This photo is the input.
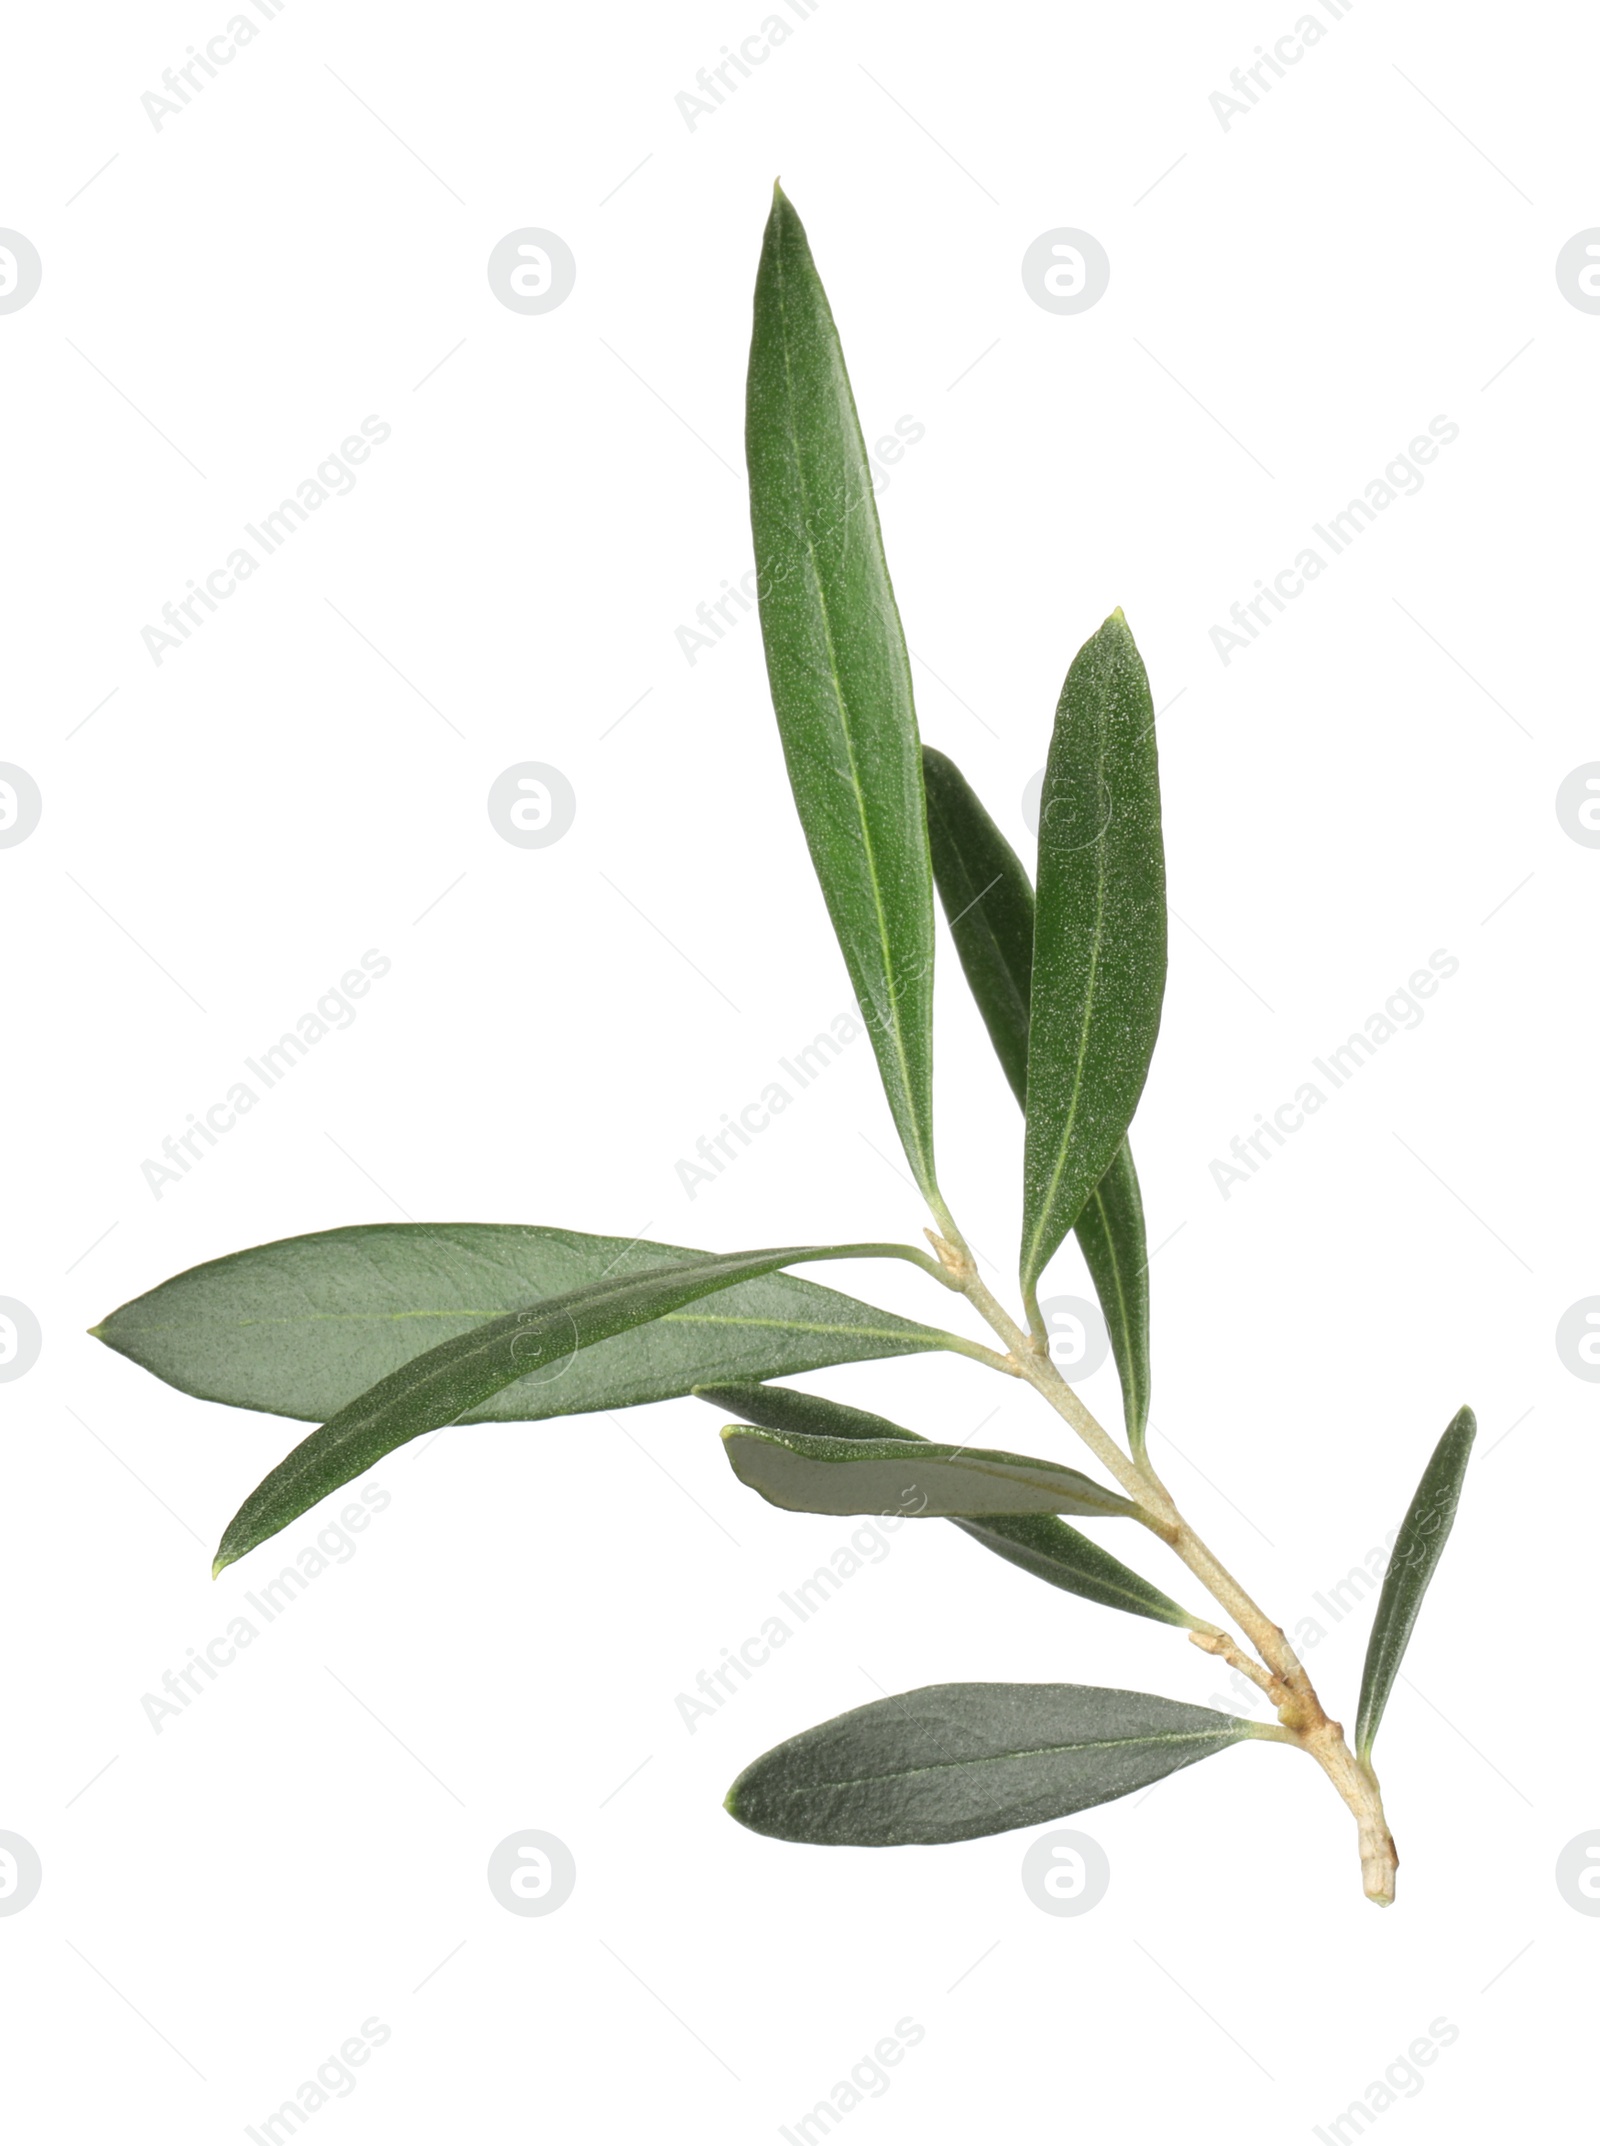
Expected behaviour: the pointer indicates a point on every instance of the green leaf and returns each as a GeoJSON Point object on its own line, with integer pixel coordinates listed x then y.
{"type": "Point", "coordinates": [445, 1383]}
{"type": "Point", "coordinates": [884, 1475]}
{"type": "Point", "coordinates": [302, 1326]}
{"type": "Point", "coordinates": [989, 905]}
{"type": "Point", "coordinates": [840, 679]}
{"type": "Point", "coordinates": [1044, 1546]}
{"type": "Point", "coordinates": [1100, 943]}
{"type": "Point", "coordinates": [956, 1761]}
{"type": "Point", "coordinates": [1110, 1231]}
{"type": "Point", "coordinates": [1417, 1550]}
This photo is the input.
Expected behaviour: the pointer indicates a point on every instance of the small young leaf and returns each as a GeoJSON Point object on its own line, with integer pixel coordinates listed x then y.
{"type": "Point", "coordinates": [956, 1761]}
{"type": "Point", "coordinates": [840, 679]}
{"type": "Point", "coordinates": [303, 1326]}
{"type": "Point", "coordinates": [989, 905]}
{"type": "Point", "coordinates": [1417, 1550]}
{"type": "Point", "coordinates": [1044, 1546]}
{"type": "Point", "coordinates": [886, 1475]}
{"type": "Point", "coordinates": [445, 1383]}
{"type": "Point", "coordinates": [1100, 941]}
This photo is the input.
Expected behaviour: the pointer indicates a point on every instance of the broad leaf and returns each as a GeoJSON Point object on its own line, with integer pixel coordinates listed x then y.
{"type": "Point", "coordinates": [956, 1761]}
{"type": "Point", "coordinates": [840, 679]}
{"type": "Point", "coordinates": [446, 1383]}
{"type": "Point", "coordinates": [885, 1475]}
{"type": "Point", "coordinates": [302, 1326]}
{"type": "Point", "coordinates": [1100, 942]}
{"type": "Point", "coordinates": [989, 904]}
{"type": "Point", "coordinates": [1417, 1550]}
{"type": "Point", "coordinates": [1044, 1546]}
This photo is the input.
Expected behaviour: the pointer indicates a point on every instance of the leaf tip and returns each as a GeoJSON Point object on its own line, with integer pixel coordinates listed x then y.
{"type": "Point", "coordinates": [220, 1563]}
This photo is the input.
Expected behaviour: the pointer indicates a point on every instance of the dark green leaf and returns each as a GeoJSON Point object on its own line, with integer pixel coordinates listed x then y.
{"type": "Point", "coordinates": [302, 1326]}
{"type": "Point", "coordinates": [956, 1761]}
{"type": "Point", "coordinates": [836, 661]}
{"type": "Point", "coordinates": [1417, 1550]}
{"type": "Point", "coordinates": [447, 1382]}
{"type": "Point", "coordinates": [1111, 1232]}
{"type": "Point", "coordinates": [886, 1475]}
{"type": "Point", "coordinates": [1044, 1546]}
{"type": "Point", "coordinates": [989, 905]}
{"type": "Point", "coordinates": [1100, 943]}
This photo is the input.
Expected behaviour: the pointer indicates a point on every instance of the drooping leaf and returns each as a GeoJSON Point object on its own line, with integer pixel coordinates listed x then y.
{"type": "Point", "coordinates": [840, 679]}
{"type": "Point", "coordinates": [1111, 1232]}
{"type": "Point", "coordinates": [956, 1761]}
{"type": "Point", "coordinates": [885, 1475]}
{"type": "Point", "coordinates": [302, 1326]}
{"type": "Point", "coordinates": [445, 1383]}
{"type": "Point", "coordinates": [989, 905]}
{"type": "Point", "coordinates": [1100, 940]}
{"type": "Point", "coordinates": [1044, 1546]}
{"type": "Point", "coordinates": [1417, 1550]}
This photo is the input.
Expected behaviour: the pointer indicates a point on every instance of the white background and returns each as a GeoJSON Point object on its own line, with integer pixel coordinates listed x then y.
{"type": "Point", "coordinates": [1292, 299]}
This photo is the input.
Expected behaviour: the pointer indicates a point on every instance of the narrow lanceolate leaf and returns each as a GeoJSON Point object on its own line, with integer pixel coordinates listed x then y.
{"type": "Point", "coordinates": [1100, 939]}
{"type": "Point", "coordinates": [990, 908]}
{"type": "Point", "coordinates": [927, 1481]}
{"type": "Point", "coordinates": [836, 662]}
{"type": "Point", "coordinates": [988, 904]}
{"type": "Point", "coordinates": [1111, 1232]}
{"type": "Point", "coordinates": [956, 1761]}
{"type": "Point", "coordinates": [1044, 1546]}
{"type": "Point", "coordinates": [446, 1383]}
{"type": "Point", "coordinates": [302, 1326]}
{"type": "Point", "coordinates": [1417, 1550]}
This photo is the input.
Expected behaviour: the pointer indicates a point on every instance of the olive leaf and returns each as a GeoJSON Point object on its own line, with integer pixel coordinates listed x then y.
{"type": "Point", "coordinates": [1043, 1545]}
{"type": "Point", "coordinates": [837, 666]}
{"type": "Point", "coordinates": [1417, 1550]}
{"type": "Point", "coordinates": [956, 1761]}
{"type": "Point", "coordinates": [302, 1326]}
{"type": "Point", "coordinates": [1100, 938]}
{"type": "Point", "coordinates": [884, 1475]}
{"type": "Point", "coordinates": [444, 1383]}
{"type": "Point", "coordinates": [988, 903]}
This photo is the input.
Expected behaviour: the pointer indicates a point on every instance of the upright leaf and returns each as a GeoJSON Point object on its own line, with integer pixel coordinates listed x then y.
{"type": "Point", "coordinates": [1100, 942]}
{"type": "Point", "coordinates": [989, 905]}
{"type": "Point", "coordinates": [840, 679]}
{"type": "Point", "coordinates": [956, 1761]}
{"type": "Point", "coordinates": [1044, 1546]}
{"type": "Point", "coordinates": [885, 1475]}
{"type": "Point", "coordinates": [1417, 1550]}
{"type": "Point", "coordinates": [302, 1326]}
{"type": "Point", "coordinates": [442, 1385]}
{"type": "Point", "coordinates": [1110, 1231]}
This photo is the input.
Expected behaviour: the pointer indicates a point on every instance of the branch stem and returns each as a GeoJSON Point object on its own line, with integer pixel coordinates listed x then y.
{"type": "Point", "coordinates": [1279, 1672]}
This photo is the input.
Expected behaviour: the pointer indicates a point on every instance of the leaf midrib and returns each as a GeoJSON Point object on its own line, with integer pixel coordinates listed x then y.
{"type": "Point", "coordinates": [1001, 1758]}
{"type": "Point", "coordinates": [924, 1144]}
